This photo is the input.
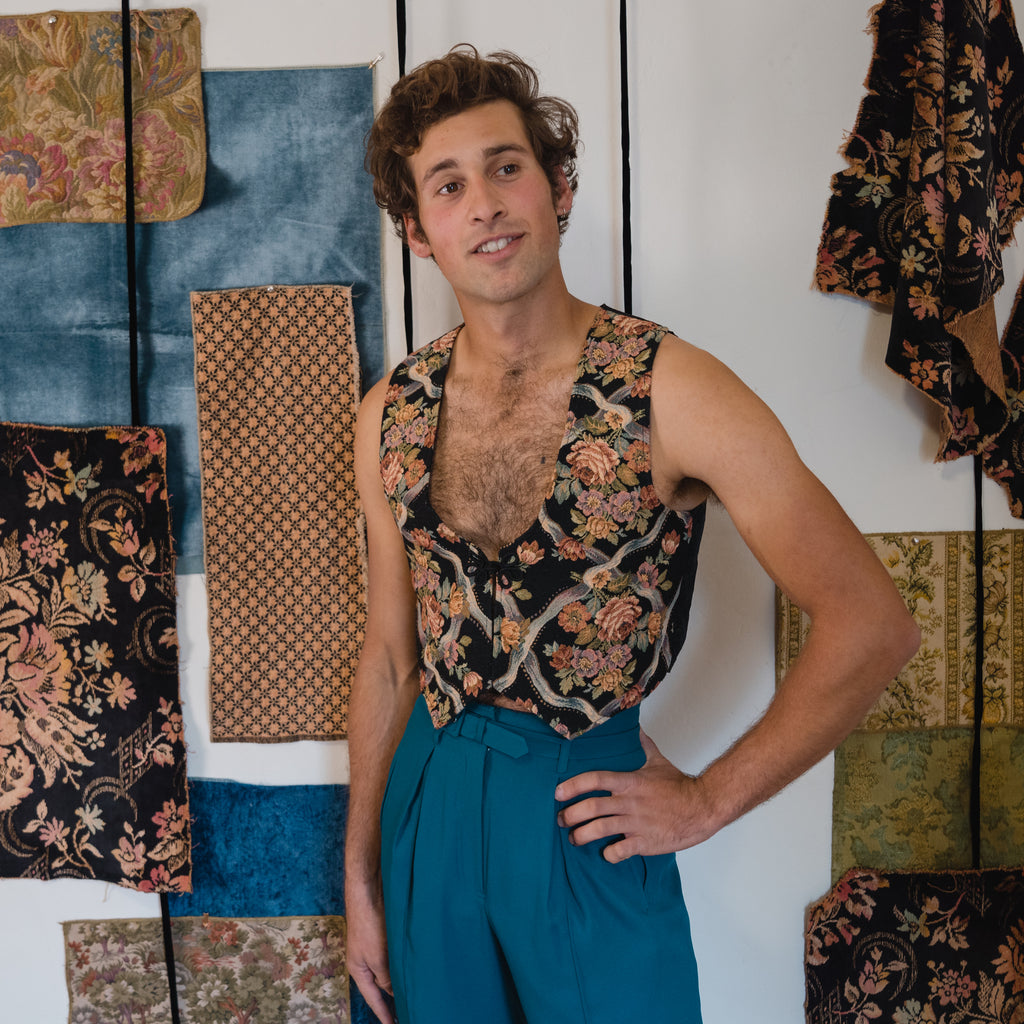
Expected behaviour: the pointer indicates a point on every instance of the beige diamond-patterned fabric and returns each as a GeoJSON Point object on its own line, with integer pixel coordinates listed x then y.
{"type": "Point", "coordinates": [277, 387]}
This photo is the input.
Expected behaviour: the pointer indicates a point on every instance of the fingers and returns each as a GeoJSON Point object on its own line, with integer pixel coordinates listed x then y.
{"type": "Point", "coordinates": [598, 828]}
{"type": "Point", "coordinates": [373, 990]}
{"type": "Point", "coordinates": [588, 782]}
{"type": "Point", "coordinates": [625, 848]}
{"type": "Point", "coordinates": [598, 807]}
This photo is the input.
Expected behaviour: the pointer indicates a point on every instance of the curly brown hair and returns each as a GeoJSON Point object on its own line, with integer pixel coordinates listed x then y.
{"type": "Point", "coordinates": [449, 85]}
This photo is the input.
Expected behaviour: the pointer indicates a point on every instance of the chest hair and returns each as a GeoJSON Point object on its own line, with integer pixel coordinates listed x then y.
{"type": "Point", "coordinates": [494, 461]}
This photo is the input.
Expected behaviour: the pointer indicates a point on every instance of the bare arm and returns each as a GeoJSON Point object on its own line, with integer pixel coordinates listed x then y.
{"type": "Point", "coordinates": [708, 426]}
{"type": "Point", "coordinates": [383, 692]}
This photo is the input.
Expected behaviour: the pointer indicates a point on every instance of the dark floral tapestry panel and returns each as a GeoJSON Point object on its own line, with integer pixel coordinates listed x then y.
{"type": "Point", "coordinates": [917, 948]}
{"type": "Point", "coordinates": [92, 757]}
{"type": "Point", "coordinates": [1004, 452]}
{"type": "Point", "coordinates": [933, 189]}
{"type": "Point", "coordinates": [289, 970]}
{"type": "Point", "coordinates": [62, 138]}
{"type": "Point", "coordinates": [277, 384]}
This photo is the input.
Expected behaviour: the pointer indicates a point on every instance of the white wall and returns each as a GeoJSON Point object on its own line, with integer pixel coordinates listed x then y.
{"type": "Point", "coordinates": [737, 113]}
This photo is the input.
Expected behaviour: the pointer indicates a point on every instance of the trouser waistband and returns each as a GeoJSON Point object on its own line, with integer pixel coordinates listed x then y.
{"type": "Point", "coordinates": [518, 733]}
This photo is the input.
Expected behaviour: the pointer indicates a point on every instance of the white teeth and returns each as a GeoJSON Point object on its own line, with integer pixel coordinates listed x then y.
{"type": "Point", "coordinates": [496, 246]}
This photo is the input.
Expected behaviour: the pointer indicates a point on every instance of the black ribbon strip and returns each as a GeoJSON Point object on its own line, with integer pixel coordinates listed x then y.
{"type": "Point", "coordinates": [406, 256]}
{"type": "Point", "coordinates": [172, 978]}
{"type": "Point", "coordinates": [133, 367]}
{"type": "Point", "coordinates": [129, 210]}
{"type": "Point", "coordinates": [627, 229]}
{"type": "Point", "coordinates": [979, 665]}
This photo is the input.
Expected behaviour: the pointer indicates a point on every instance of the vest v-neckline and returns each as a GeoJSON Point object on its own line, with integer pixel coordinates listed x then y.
{"type": "Point", "coordinates": [428, 451]}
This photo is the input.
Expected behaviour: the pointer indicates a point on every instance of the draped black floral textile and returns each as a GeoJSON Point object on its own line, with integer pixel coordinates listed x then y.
{"type": "Point", "coordinates": [917, 948]}
{"type": "Point", "coordinates": [934, 187]}
{"type": "Point", "coordinates": [92, 756]}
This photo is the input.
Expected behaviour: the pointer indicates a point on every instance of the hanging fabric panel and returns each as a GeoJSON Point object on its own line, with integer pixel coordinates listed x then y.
{"type": "Point", "coordinates": [932, 192]}
{"type": "Point", "coordinates": [902, 779]}
{"type": "Point", "coordinates": [286, 201]}
{"type": "Point", "coordinates": [934, 573]}
{"type": "Point", "coordinates": [92, 758]}
{"type": "Point", "coordinates": [62, 137]}
{"type": "Point", "coordinates": [229, 969]}
{"type": "Point", "coordinates": [917, 948]}
{"type": "Point", "coordinates": [277, 384]}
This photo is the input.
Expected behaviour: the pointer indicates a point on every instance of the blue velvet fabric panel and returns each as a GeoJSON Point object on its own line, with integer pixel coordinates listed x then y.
{"type": "Point", "coordinates": [267, 851]}
{"type": "Point", "coordinates": [287, 202]}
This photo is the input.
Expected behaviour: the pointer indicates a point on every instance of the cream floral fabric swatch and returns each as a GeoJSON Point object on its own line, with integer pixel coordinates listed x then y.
{"type": "Point", "coordinates": [934, 572]}
{"type": "Point", "coordinates": [281, 969]}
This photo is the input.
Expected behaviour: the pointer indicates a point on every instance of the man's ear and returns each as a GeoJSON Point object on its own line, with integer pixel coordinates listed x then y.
{"type": "Point", "coordinates": [562, 192]}
{"type": "Point", "coordinates": [418, 243]}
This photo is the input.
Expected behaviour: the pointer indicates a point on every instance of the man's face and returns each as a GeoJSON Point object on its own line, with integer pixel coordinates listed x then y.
{"type": "Point", "coordinates": [486, 209]}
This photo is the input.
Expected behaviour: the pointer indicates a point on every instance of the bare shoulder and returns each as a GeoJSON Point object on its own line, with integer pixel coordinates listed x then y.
{"type": "Point", "coordinates": [367, 453]}
{"type": "Point", "coordinates": [371, 409]}
{"type": "Point", "coordinates": [707, 425]}
{"type": "Point", "coordinates": [390, 626]}
{"type": "Point", "coordinates": [696, 385]}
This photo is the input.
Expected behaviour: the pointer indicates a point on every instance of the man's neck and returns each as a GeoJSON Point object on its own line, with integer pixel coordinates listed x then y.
{"type": "Point", "coordinates": [535, 332]}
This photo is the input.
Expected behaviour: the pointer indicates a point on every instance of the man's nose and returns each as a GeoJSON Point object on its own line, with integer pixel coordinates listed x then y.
{"type": "Point", "coordinates": [486, 203]}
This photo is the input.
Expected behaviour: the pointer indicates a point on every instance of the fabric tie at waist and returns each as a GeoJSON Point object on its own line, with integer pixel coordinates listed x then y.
{"type": "Point", "coordinates": [517, 733]}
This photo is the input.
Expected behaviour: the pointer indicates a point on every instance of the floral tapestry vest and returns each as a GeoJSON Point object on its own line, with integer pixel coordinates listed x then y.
{"type": "Point", "coordinates": [583, 614]}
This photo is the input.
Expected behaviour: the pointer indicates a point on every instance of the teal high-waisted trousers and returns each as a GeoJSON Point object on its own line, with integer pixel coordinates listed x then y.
{"type": "Point", "coordinates": [492, 915]}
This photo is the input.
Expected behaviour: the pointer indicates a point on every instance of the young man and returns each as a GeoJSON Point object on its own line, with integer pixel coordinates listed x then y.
{"type": "Point", "coordinates": [520, 866]}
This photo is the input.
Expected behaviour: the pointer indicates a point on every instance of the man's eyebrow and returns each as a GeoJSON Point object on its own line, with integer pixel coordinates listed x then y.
{"type": "Point", "coordinates": [438, 168]}
{"type": "Point", "coordinates": [505, 147]}
{"type": "Point", "coordinates": [491, 151]}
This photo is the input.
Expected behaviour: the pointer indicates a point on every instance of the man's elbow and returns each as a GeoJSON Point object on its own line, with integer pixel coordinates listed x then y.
{"type": "Point", "coordinates": [900, 638]}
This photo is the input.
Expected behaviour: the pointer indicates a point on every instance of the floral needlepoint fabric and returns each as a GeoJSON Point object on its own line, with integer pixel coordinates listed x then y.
{"type": "Point", "coordinates": [934, 573]}
{"type": "Point", "coordinates": [283, 970]}
{"type": "Point", "coordinates": [901, 785]}
{"type": "Point", "coordinates": [92, 758]}
{"type": "Point", "coordinates": [917, 948]}
{"type": "Point", "coordinates": [277, 384]}
{"type": "Point", "coordinates": [933, 188]}
{"type": "Point", "coordinates": [901, 800]}
{"type": "Point", "coordinates": [62, 137]}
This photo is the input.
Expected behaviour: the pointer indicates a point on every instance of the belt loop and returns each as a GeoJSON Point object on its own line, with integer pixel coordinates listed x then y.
{"type": "Point", "coordinates": [453, 728]}
{"type": "Point", "coordinates": [564, 753]}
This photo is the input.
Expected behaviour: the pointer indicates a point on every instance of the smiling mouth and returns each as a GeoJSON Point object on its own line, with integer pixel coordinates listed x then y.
{"type": "Point", "coordinates": [495, 244]}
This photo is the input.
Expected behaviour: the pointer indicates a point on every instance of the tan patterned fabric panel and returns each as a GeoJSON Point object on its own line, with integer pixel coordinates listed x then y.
{"type": "Point", "coordinates": [277, 386]}
{"type": "Point", "coordinates": [934, 572]}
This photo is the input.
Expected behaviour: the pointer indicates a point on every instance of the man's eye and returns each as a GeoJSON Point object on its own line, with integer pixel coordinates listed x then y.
{"type": "Point", "coordinates": [508, 168]}
{"type": "Point", "coordinates": [449, 188]}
